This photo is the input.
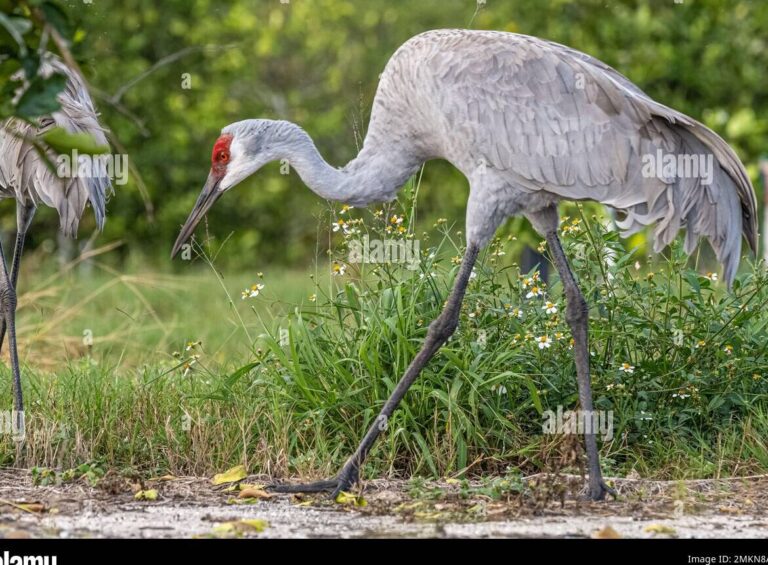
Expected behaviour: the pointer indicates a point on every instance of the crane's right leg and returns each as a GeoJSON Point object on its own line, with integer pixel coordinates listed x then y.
{"type": "Point", "coordinates": [577, 314]}
{"type": "Point", "coordinates": [24, 214]}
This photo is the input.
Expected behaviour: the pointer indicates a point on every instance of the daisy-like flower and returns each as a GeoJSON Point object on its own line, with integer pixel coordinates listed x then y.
{"type": "Point", "coordinates": [252, 292]}
{"type": "Point", "coordinates": [550, 308]}
{"type": "Point", "coordinates": [501, 390]}
{"type": "Point", "coordinates": [516, 313]}
{"type": "Point", "coordinates": [338, 269]}
{"type": "Point", "coordinates": [339, 225]}
{"type": "Point", "coordinates": [559, 335]}
{"type": "Point", "coordinates": [535, 291]}
{"type": "Point", "coordinates": [423, 275]}
{"type": "Point", "coordinates": [728, 349]}
{"type": "Point", "coordinates": [346, 208]}
{"type": "Point", "coordinates": [544, 342]}
{"type": "Point", "coordinates": [627, 368]}
{"type": "Point", "coordinates": [711, 276]}
{"type": "Point", "coordinates": [472, 275]}
{"type": "Point", "coordinates": [313, 297]}
{"type": "Point", "coordinates": [189, 363]}
{"type": "Point", "coordinates": [396, 220]}
{"type": "Point", "coordinates": [700, 343]}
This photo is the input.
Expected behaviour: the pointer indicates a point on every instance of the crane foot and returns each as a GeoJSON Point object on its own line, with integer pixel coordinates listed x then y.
{"type": "Point", "coordinates": [344, 481]}
{"type": "Point", "coordinates": [597, 492]}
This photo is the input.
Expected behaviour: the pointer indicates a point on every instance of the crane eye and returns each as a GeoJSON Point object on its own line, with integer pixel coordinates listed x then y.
{"type": "Point", "coordinates": [223, 157]}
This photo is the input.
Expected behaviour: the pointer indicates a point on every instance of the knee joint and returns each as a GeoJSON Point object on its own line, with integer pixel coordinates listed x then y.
{"type": "Point", "coordinates": [577, 310]}
{"type": "Point", "coordinates": [443, 328]}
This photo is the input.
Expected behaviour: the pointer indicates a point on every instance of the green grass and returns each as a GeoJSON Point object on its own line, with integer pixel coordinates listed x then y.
{"type": "Point", "coordinates": [693, 406]}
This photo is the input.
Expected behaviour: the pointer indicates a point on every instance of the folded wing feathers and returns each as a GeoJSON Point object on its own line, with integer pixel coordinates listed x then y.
{"type": "Point", "coordinates": [31, 178]}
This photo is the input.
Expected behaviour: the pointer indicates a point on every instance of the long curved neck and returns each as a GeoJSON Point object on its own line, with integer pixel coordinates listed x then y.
{"type": "Point", "coordinates": [375, 175]}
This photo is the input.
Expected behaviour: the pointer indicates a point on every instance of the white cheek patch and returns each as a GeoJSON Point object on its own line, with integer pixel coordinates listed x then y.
{"type": "Point", "coordinates": [237, 169]}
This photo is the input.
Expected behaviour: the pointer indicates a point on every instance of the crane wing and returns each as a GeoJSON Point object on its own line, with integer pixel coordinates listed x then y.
{"type": "Point", "coordinates": [559, 120]}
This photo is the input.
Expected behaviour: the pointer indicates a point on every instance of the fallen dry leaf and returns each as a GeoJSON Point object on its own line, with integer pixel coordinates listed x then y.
{"type": "Point", "coordinates": [351, 499]}
{"type": "Point", "coordinates": [31, 506]}
{"type": "Point", "coordinates": [164, 478]}
{"type": "Point", "coordinates": [149, 494]}
{"type": "Point", "coordinates": [606, 533]}
{"type": "Point", "coordinates": [240, 527]}
{"type": "Point", "coordinates": [729, 510]}
{"type": "Point", "coordinates": [230, 476]}
{"type": "Point", "coordinates": [254, 493]}
{"type": "Point", "coordinates": [660, 529]}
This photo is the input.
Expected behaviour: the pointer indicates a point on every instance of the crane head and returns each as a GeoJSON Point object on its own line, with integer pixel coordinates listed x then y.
{"type": "Point", "coordinates": [241, 149]}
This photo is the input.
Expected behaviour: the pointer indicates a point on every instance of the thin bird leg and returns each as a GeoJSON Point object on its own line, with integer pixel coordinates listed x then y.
{"type": "Point", "coordinates": [24, 215]}
{"type": "Point", "coordinates": [439, 332]}
{"type": "Point", "coordinates": [8, 304]}
{"type": "Point", "coordinates": [577, 316]}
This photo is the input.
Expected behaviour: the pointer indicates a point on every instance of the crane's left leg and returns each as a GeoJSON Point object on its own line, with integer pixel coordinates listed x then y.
{"type": "Point", "coordinates": [577, 315]}
{"type": "Point", "coordinates": [8, 306]}
{"type": "Point", "coordinates": [439, 332]}
{"type": "Point", "coordinates": [24, 214]}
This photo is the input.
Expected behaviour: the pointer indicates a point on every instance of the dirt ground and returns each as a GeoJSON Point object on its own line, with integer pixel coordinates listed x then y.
{"type": "Point", "coordinates": [547, 507]}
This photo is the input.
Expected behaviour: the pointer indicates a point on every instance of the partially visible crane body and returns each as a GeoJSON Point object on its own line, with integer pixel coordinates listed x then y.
{"type": "Point", "coordinates": [27, 178]}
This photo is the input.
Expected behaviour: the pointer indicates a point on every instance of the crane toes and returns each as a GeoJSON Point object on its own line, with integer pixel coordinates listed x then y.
{"type": "Point", "coordinates": [344, 481]}
{"type": "Point", "coordinates": [305, 488]}
{"type": "Point", "coordinates": [598, 491]}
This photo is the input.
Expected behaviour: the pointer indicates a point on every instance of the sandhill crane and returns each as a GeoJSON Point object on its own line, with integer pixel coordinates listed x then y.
{"type": "Point", "coordinates": [25, 176]}
{"type": "Point", "coordinates": [529, 123]}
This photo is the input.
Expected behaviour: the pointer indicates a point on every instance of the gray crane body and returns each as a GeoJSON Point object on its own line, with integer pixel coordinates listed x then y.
{"type": "Point", "coordinates": [529, 123]}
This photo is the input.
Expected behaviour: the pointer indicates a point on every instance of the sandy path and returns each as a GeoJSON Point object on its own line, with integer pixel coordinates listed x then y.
{"type": "Point", "coordinates": [190, 507]}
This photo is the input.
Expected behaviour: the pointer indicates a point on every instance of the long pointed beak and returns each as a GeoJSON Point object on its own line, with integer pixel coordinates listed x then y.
{"type": "Point", "coordinates": [205, 201]}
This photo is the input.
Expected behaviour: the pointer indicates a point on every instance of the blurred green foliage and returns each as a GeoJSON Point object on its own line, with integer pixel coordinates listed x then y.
{"type": "Point", "coordinates": [317, 63]}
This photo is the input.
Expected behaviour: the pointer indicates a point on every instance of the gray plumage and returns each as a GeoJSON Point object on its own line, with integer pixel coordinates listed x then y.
{"type": "Point", "coordinates": [528, 120]}
{"type": "Point", "coordinates": [529, 123]}
{"type": "Point", "coordinates": [25, 177]}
